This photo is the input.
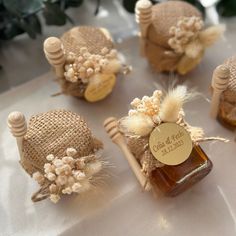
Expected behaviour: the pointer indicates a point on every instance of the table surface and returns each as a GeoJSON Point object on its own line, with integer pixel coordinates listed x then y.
{"type": "Point", "coordinates": [208, 208]}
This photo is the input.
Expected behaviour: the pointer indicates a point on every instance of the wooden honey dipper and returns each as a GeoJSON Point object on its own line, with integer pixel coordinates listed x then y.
{"type": "Point", "coordinates": [219, 83]}
{"type": "Point", "coordinates": [110, 125]}
{"type": "Point", "coordinates": [143, 15]}
{"type": "Point", "coordinates": [53, 50]}
{"type": "Point", "coordinates": [18, 127]}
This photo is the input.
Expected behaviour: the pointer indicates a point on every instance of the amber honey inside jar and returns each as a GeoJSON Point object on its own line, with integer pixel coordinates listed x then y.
{"type": "Point", "coordinates": [173, 180]}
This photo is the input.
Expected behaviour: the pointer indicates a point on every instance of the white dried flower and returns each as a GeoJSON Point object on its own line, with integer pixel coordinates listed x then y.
{"type": "Point", "coordinates": [50, 157]}
{"type": "Point", "coordinates": [68, 160]}
{"type": "Point", "coordinates": [50, 176]}
{"type": "Point", "coordinates": [79, 175]}
{"type": "Point", "coordinates": [48, 168]}
{"type": "Point", "coordinates": [53, 188]}
{"type": "Point", "coordinates": [61, 180]}
{"type": "Point", "coordinates": [67, 190]}
{"type": "Point", "coordinates": [82, 69]}
{"type": "Point", "coordinates": [58, 162]}
{"type": "Point", "coordinates": [103, 62]}
{"type": "Point", "coordinates": [70, 57]}
{"type": "Point", "coordinates": [80, 59]}
{"type": "Point", "coordinates": [54, 198]}
{"type": "Point", "coordinates": [87, 64]}
{"type": "Point", "coordinates": [97, 70]}
{"type": "Point", "coordinates": [148, 105]}
{"type": "Point", "coordinates": [90, 71]}
{"type": "Point", "coordinates": [113, 53]}
{"type": "Point", "coordinates": [71, 152]}
{"type": "Point", "coordinates": [187, 30]}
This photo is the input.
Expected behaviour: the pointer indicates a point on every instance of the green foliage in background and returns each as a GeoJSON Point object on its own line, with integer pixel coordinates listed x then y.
{"type": "Point", "coordinates": [20, 16]}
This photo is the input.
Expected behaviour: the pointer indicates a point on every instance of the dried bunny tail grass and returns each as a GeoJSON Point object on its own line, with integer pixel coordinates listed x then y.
{"type": "Point", "coordinates": [99, 179]}
{"type": "Point", "coordinates": [139, 124]}
{"type": "Point", "coordinates": [210, 35]}
{"type": "Point", "coordinates": [173, 102]}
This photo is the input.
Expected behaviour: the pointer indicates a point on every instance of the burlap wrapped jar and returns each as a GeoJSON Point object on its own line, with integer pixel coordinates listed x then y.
{"type": "Point", "coordinates": [162, 27]}
{"type": "Point", "coordinates": [227, 107]}
{"type": "Point", "coordinates": [52, 133]}
{"type": "Point", "coordinates": [89, 62]}
{"type": "Point", "coordinates": [151, 131]}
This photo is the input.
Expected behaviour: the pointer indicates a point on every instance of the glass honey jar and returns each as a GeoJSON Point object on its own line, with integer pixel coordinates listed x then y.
{"type": "Point", "coordinates": [165, 147]}
{"type": "Point", "coordinates": [173, 180]}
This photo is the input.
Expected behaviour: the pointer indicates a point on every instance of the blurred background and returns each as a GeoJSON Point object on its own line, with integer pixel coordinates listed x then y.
{"type": "Point", "coordinates": [24, 24]}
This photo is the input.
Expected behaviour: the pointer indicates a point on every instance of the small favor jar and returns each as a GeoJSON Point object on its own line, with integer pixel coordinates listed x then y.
{"type": "Point", "coordinates": [58, 151]}
{"type": "Point", "coordinates": [224, 93]}
{"type": "Point", "coordinates": [172, 35]}
{"type": "Point", "coordinates": [85, 62]}
{"type": "Point", "coordinates": [165, 147]}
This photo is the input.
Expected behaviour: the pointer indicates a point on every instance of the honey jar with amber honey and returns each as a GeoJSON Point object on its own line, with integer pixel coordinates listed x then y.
{"type": "Point", "coordinates": [173, 36]}
{"type": "Point", "coordinates": [165, 147]}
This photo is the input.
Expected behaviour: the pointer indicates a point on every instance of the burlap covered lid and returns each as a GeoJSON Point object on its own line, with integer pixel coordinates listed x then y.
{"type": "Point", "coordinates": [230, 93]}
{"type": "Point", "coordinates": [51, 133]}
{"type": "Point", "coordinates": [165, 15]}
{"type": "Point", "coordinates": [94, 39]}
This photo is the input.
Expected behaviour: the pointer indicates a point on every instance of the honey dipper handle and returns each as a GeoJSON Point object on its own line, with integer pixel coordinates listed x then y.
{"type": "Point", "coordinates": [134, 165]}
{"type": "Point", "coordinates": [110, 125]}
{"type": "Point", "coordinates": [220, 81]}
{"type": "Point", "coordinates": [18, 127]}
{"type": "Point", "coordinates": [143, 15]}
{"type": "Point", "coordinates": [54, 53]}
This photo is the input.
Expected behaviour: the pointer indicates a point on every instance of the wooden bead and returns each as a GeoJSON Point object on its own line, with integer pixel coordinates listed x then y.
{"type": "Point", "coordinates": [53, 50]}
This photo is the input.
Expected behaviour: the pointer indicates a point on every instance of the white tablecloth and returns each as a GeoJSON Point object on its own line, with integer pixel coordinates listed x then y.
{"type": "Point", "coordinates": [122, 208]}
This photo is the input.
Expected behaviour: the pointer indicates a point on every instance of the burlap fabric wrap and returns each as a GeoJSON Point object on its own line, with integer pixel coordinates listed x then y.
{"type": "Point", "coordinates": [228, 97]}
{"type": "Point", "coordinates": [51, 133]}
{"type": "Point", "coordinates": [139, 146]}
{"type": "Point", "coordinates": [165, 15]}
{"type": "Point", "coordinates": [94, 39]}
